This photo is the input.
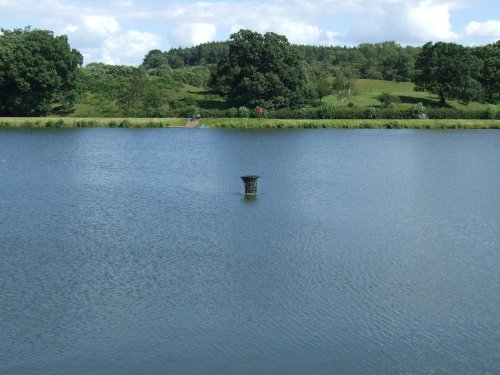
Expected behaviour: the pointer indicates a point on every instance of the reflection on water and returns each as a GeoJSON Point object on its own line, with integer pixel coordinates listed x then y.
{"type": "Point", "coordinates": [134, 251]}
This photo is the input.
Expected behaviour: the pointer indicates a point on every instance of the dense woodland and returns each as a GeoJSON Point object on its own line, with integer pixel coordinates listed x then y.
{"type": "Point", "coordinates": [41, 74]}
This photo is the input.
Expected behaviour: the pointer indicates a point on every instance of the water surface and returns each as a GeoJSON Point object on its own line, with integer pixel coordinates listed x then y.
{"type": "Point", "coordinates": [132, 251]}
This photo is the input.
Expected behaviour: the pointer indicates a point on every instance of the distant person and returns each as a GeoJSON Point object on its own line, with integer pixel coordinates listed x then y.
{"type": "Point", "coordinates": [198, 116]}
{"type": "Point", "coordinates": [260, 112]}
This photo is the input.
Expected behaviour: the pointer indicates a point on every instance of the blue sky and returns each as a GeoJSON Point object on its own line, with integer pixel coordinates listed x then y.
{"type": "Point", "coordinates": [123, 31]}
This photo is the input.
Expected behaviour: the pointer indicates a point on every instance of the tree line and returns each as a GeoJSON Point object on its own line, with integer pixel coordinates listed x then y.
{"type": "Point", "coordinates": [40, 73]}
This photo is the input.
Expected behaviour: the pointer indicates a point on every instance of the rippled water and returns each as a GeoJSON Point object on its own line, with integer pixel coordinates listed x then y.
{"type": "Point", "coordinates": [132, 251]}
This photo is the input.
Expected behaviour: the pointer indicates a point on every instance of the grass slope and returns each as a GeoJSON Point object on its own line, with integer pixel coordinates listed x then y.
{"type": "Point", "coordinates": [369, 89]}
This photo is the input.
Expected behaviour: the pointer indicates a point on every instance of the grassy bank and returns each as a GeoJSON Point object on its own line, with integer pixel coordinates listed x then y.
{"type": "Point", "coordinates": [352, 124]}
{"type": "Point", "coordinates": [75, 122]}
{"type": "Point", "coordinates": [243, 123]}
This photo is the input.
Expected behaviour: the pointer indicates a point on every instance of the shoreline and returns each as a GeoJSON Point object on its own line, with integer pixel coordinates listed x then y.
{"type": "Point", "coordinates": [244, 123]}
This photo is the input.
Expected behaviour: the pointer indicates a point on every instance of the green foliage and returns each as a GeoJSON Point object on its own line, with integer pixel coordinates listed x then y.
{"type": "Point", "coordinates": [492, 112]}
{"type": "Point", "coordinates": [387, 99]}
{"type": "Point", "coordinates": [195, 76]}
{"type": "Point", "coordinates": [386, 60]}
{"type": "Point", "coordinates": [188, 111]}
{"type": "Point", "coordinates": [320, 82]}
{"type": "Point", "coordinates": [345, 83]}
{"type": "Point", "coordinates": [326, 112]}
{"type": "Point", "coordinates": [155, 59]}
{"type": "Point", "coordinates": [449, 71]}
{"type": "Point", "coordinates": [125, 124]}
{"type": "Point", "coordinates": [37, 71]}
{"type": "Point", "coordinates": [232, 112]}
{"type": "Point", "coordinates": [263, 70]}
{"type": "Point", "coordinates": [144, 96]}
{"type": "Point", "coordinates": [490, 72]}
{"type": "Point", "coordinates": [206, 53]}
{"type": "Point", "coordinates": [418, 110]}
{"type": "Point", "coordinates": [371, 113]}
{"type": "Point", "coordinates": [243, 112]}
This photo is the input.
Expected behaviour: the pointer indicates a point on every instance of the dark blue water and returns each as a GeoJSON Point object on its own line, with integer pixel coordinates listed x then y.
{"type": "Point", "coordinates": [132, 251]}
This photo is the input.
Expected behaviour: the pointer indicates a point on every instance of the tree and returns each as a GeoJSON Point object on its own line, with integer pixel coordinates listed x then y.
{"type": "Point", "coordinates": [134, 93]}
{"type": "Point", "coordinates": [154, 59]}
{"type": "Point", "coordinates": [320, 81]}
{"type": "Point", "coordinates": [37, 71]}
{"type": "Point", "coordinates": [490, 73]}
{"type": "Point", "coordinates": [449, 71]}
{"type": "Point", "coordinates": [143, 95]}
{"type": "Point", "coordinates": [262, 70]}
{"type": "Point", "coordinates": [387, 99]}
{"type": "Point", "coordinates": [345, 82]}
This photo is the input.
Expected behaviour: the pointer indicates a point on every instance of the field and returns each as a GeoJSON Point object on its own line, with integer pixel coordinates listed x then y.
{"type": "Point", "coordinates": [369, 89]}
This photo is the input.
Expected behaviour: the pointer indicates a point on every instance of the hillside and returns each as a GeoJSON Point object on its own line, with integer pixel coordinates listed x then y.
{"type": "Point", "coordinates": [99, 105]}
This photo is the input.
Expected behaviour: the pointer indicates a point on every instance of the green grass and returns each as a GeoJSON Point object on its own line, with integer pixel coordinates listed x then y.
{"type": "Point", "coordinates": [351, 124]}
{"type": "Point", "coordinates": [89, 122]}
{"type": "Point", "coordinates": [93, 105]}
{"type": "Point", "coordinates": [369, 89]}
{"type": "Point", "coordinates": [249, 123]}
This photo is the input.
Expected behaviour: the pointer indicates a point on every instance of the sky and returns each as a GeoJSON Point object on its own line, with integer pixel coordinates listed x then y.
{"type": "Point", "coordinates": [123, 31]}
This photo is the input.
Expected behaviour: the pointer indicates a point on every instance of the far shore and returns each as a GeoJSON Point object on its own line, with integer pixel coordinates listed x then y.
{"type": "Point", "coordinates": [243, 123]}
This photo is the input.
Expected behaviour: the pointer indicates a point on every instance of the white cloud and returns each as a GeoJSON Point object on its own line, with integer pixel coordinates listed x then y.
{"type": "Point", "coordinates": [489, 29]}
{"type": "Point", "coordinates": [299, 32]}
{"type": "Point", "coordinates": [430, 21]}
{"type": "Point", "coordinates": [410, 21]}
{"type": "Point", "coordinates": [91, 25]}
{"type": "Point", "coordinates": [69, 28]}
{"type": "Point", "coordinates": [192, 33]}
{"type": "Point", "coordinates": [101, 25]}
{"type": "Point", "coordinates": [128, 47]}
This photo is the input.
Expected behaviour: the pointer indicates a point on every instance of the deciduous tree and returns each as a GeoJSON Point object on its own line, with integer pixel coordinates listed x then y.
{"type": "Point", "coordinates": [448, 70]}
{"type": "Point", "coordinates": [345, 82]}
{"type": "Point", "coordinates": [37, 71]}
{"type": "Point", "coordinates": [262, 70]}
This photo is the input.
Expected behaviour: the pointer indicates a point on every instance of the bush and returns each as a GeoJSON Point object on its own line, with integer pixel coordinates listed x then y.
{"type": "Point", "coordinates": [156, 112]}
{"type": "Point", "coordinates": [491, 112]}
{"type": "Point", "coordinates": [387, 99]}
{"type": "Point", "coordinates": [243, 112]}
{"type": "Point", "coordinates": [54, 124]}
{"type": "Point", "coordinates": [372, 112]}
{"type": "Point", "coordinates": [418, 111]}
{"type": "Point", "coordinates": [188, 111]}
{"type": "Point", "coordinates": [450, 113]}
{"type": "Point", "coordinates": [326, 112]}
{"type": "Point", "coordinates": [232, 112]}
{"type": "Point", "coordinates": [125, 124]}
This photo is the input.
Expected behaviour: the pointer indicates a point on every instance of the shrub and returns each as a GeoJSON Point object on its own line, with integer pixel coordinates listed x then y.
{"type": "Point", "coordinates": [125, 124]}
{"type": "Point", "coordinates": [188, 111]}
{"type": "Point", "coordinates": [326, 112]}
{"type": "Point", "coordinates": [156, 112]}
{"type": "Point", "coordinates": [232, 112]}
{"type": "Point", "coordinates": [372, 112]}
{"type": "Point", "coordinates": [491, 112]}
{"type": "Point", "coordinates": [418, 111]}
{"type": "Point", "coordinates": [243, 112]}
{"type": "Point", "coordinates": [387, 99]}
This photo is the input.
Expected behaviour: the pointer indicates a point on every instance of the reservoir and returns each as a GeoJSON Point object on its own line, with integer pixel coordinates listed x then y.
{"type": "Point", "coordinates": [135, 252]}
